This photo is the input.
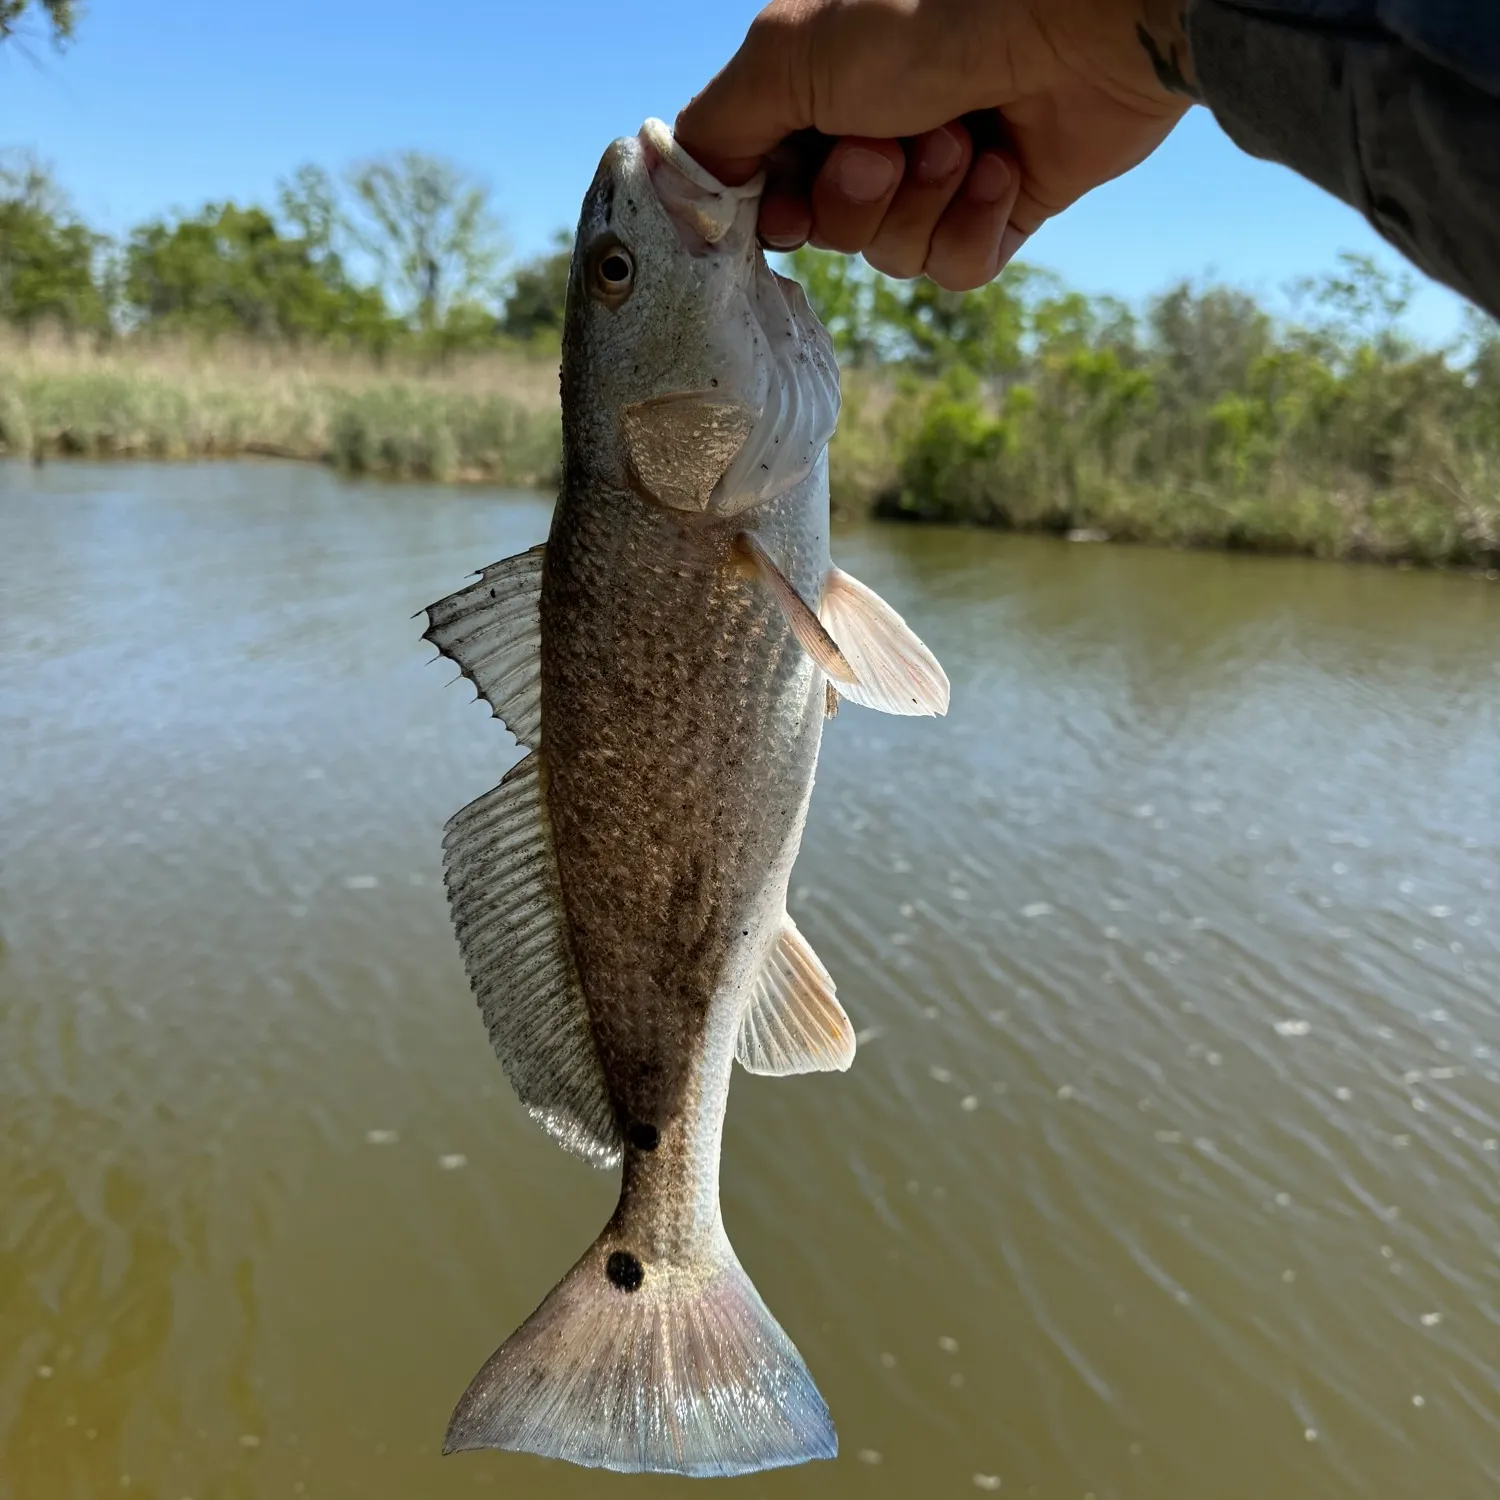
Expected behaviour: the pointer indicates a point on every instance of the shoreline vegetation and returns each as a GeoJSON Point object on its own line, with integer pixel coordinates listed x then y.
{"type": "Point", "coordinates": [908, 448]}
{"type": "Point", "coordinates": [366, 324]}
{"type": "Point", "coordinates": [489, 417]}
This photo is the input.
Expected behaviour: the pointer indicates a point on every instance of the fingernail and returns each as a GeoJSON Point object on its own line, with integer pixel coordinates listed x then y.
{"type": "Point", "coordinates": [863, 175]}
{"type": "Point", "coordinates": [939, 155]}
{"type": "Point", "coordinates": [1010, 241]}
{"type": "Point", "coordinates": [784, 221]}
{"type": "Point", "coordinates": [989, 178]}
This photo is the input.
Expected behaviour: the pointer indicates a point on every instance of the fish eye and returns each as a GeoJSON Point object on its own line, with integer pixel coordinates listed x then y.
{"type": "Point", "coordinates": [613, 273]}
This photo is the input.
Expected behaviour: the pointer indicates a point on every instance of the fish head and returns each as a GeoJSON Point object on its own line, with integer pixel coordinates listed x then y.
{"type": "Point", "coordinates": [689, 365]}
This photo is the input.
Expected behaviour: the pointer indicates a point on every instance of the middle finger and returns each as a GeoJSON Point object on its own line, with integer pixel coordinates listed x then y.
{"type": "Point", "coordinates": [852, 191]}
{"type": "Point", "coordinates": [935, 166]}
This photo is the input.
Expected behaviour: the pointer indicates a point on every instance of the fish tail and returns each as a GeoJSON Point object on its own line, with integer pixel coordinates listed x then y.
{"type": "Point", "coordinates": [644, 1369]}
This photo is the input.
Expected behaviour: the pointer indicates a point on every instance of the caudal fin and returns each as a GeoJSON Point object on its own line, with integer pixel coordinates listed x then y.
{"type": "Point", "coordinates": [642, 1369]}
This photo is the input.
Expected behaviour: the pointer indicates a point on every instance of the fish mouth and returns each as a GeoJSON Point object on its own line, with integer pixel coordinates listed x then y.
{"type": "Point", "coordinates": [703, 210]}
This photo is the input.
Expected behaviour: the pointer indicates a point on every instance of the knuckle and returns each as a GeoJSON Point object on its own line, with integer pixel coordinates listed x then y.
{"type": "Point", "coordinates": [781, 43]}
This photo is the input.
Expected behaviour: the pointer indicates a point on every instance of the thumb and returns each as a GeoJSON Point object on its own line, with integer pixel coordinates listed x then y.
{"type": "Point", "coordinates": [846, 67]}
{"type": "Point", "coordinates": [759, 97]}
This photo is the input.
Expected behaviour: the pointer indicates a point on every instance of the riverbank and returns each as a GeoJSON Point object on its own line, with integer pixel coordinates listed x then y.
{"type": "Point", "coordinates": [491, 417]}
{"type": "Point", "coordinates": [1056, 459]}
{"type": "Point", "coordinates": [1038, 463]}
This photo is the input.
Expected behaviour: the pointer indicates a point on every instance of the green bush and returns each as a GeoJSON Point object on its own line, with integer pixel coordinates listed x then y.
{"type": "Point", "coordinates": [953, 465]}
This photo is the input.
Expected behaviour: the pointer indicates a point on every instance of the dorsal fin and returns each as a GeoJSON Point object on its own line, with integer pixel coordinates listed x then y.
{"type": "Point", "coordinates": [793, 1022]}
{"type": "Point", "coordinates": [492, 632]}
{"type": "Point", "coordinates": [501, 875]}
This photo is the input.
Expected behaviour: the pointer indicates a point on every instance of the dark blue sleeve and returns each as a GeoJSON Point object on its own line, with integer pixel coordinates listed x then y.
{"type": "Point", "coordinates": [1392, 105]}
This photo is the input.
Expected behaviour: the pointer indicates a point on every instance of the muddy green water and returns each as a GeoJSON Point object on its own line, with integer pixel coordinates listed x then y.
{"type": "Point", "coordinates": [1168, 1168]}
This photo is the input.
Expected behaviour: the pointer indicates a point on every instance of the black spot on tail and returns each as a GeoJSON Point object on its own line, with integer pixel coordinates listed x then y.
{"type": "Point", "coordinates": [644, 1137]}
{"type": "Point", "coordinates": [624, 1271]}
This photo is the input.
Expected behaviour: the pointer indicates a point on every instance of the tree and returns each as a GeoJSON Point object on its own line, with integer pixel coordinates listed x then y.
{"type": "Point", "coordinates": [62, 16]}
{"type": "Point", "coordinates": [1204, 343]}
{"type": "Point", "coordinates": [229, 269]}
{"type": "Point", "coordinates": [982, 329]}
{"type": "Point", "coordinates": [49, 261]}
{"type": "Point", "coordinates": [861, 309]}
{"type": "Point", "coordinates": [309, 203]}
{"type": "Point", "coordinates": [538, 292]}
{"type": "Point", "coordinates": [431, 230]}
{"type": "Point", "coordinates": [1360, 305]}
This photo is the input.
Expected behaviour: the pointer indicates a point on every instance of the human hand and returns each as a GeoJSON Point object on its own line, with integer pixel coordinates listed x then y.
{"type": "Point", "coordinates": [937, 135]}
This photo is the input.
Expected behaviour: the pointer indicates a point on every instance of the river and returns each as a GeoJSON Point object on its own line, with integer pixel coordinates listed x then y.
{"type": "Point", "coordinates": [1169, 1167]}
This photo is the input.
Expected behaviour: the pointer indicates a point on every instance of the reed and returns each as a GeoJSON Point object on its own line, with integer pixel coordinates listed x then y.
{"type": "Point", "coordinates": [1391, 481]}
{"type": "Point", "coordinates": [491, 416]}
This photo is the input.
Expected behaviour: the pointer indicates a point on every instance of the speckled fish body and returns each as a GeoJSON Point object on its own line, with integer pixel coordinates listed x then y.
{"type": "Point", "coordinates": [669, 659]}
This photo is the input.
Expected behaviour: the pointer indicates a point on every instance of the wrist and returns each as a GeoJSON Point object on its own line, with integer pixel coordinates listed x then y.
{"type": "Point", "coordinates": [1162, 33]}
{"type": "Point", "coordinates": [1136, 50]}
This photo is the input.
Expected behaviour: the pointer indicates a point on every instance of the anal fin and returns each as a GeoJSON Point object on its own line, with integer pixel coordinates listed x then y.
{"type": "Point", "coordinates": [793, 1022]}
{"type": "Point", "coordinates": [892, 670]}
{"type": "Point", "coordinates": [507, 910]}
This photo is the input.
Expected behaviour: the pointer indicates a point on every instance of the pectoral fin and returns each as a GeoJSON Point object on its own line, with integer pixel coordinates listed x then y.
{"type": "Point", "coordinates": [794, 1022]}
{"type": "Point", "coordinates": [805, 625]}
{"type": "Point", "coordinates": [892, 670]}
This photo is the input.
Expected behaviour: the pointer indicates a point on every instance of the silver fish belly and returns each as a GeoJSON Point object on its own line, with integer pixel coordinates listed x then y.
{"type": "Point", "coordinates": [620, 898]}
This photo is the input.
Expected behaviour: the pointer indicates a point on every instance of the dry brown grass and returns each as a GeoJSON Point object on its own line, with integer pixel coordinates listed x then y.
{"type": "Point", "coordinates": [484, 416]}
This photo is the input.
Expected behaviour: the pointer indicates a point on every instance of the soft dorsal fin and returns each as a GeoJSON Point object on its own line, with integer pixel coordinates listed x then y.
{"type": "Point", "coordinates": [893, 671]}
{"type": "Point", "coordinates": [492, 632]}
{"type": "Point", "coordinates": [501, 875]}
{"type": "Point", "coordinates": [805, 625]}
{"type": "Point", "coordinates": [793, 1022]}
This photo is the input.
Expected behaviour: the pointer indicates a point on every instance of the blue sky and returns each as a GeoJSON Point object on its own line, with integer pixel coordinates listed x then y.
{"type": "Point", "coordinates": [164, 104]}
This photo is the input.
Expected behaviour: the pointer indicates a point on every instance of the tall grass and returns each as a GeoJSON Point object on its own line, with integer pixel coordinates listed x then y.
{"type": "Point", "coordinates": [1396, 484]}
{"type": "Point", "coordinates": [1383, 473]}
{"type": "Point", "coordinates": [491, 416]}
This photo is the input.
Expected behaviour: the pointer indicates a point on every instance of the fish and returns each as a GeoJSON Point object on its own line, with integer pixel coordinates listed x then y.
{"type": "Point", "coordinates": [668, 659]}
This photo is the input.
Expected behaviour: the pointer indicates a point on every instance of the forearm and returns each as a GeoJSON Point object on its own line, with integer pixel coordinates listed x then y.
{"type": "Point", "coordinates": [1396, 112]}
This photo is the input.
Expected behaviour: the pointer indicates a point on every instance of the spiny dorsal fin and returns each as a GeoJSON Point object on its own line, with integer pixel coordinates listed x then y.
{"type": "Point", "coordinates": [492, 632]}
{"type": "Point", "coordinates": [507, 910]}
{"type": "Point", "coordinates": [793, 1022]}
{"type": "Point", "coordinates": [805, 625]}
{"type": "Point", "coordinates": [893, 671]}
